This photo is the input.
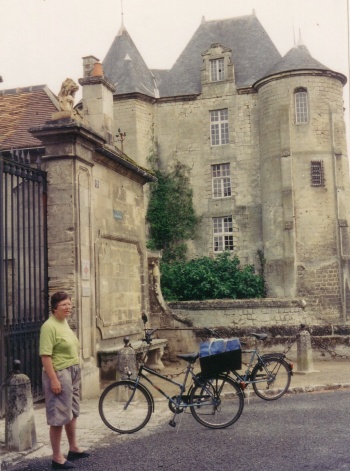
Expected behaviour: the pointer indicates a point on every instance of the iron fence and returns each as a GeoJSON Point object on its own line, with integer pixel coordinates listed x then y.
{"type": "Point", "coordinates": [23, 266]}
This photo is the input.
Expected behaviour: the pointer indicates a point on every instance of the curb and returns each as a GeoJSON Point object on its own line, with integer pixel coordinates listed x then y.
{"type": "Point", "coordinates": [318, 388]}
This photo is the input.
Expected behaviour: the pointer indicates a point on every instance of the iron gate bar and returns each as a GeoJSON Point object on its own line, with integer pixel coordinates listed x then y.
{"type": "Point", "coordinates": [23, 266]}
{"type": "Point", "coordinates": [2, 288]}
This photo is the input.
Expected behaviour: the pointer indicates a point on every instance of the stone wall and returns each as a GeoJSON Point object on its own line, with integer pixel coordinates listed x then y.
{"type": "Point", "coordinates": [302, 230]}
{"type": "Point", "coordinates": [239, 314]}
{"type": "Point", "coordinates": [183, 133]}
{"type": "Point", "coordinates": [184, 326]}
{"type": "Point", "coordinates": [96, 238]}
{"type": "Point", "coordinates": [302, 219]}
{"type": "Point", "coordinates": [136, 118]}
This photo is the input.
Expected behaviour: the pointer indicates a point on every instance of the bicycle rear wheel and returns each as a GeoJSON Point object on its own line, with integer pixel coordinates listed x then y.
{"type": "Point", "coordinates": [273, 378]}
{"type": "Point", "coordinates": [217, 401]}
{"type": "Point", "coordinates": [125, 407]}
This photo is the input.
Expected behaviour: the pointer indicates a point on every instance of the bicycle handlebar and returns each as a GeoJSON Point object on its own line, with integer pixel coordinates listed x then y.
{"type": "Point", "coordinates": [148, 335]}
{"type": "Point", "coordinates": [212, 332]}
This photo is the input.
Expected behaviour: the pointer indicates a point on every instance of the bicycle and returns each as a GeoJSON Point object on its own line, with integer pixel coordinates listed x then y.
{"type": "Point", "coordinates": [215, 401]}
{"type": "Point", "coordinates": [271, 374]}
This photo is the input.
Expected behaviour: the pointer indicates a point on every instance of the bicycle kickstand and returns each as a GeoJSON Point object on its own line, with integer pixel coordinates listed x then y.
{"type": "Point", "coordinates": [172, 423]}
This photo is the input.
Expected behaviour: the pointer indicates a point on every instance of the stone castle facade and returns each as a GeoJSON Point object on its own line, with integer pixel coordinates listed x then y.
{"type": "Point", "coordinates": [264, 136]}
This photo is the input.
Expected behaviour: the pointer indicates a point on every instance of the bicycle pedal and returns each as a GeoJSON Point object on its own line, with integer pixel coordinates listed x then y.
{"type": "Point", "coordinates": [172, 423]}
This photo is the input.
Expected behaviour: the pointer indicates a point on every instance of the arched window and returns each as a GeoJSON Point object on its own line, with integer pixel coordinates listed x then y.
{"type": "Point", "coordinates": [301, 106]}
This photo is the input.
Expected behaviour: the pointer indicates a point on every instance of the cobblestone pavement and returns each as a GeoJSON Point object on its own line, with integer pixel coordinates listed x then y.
{"type": "Point", "coordinates": [326, 375]}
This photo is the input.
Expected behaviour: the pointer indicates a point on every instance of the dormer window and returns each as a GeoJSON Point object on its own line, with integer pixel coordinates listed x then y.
{"type": "Point", "coordinates": [217, 71]}
{"type": "Point", "coordinates": [301, 106]}
{"type": "Point", "coordinates": [217, 66]}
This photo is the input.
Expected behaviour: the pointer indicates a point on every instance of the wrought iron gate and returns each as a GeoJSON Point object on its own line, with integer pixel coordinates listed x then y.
{"type": "Point", "coordinates": [23, 267]}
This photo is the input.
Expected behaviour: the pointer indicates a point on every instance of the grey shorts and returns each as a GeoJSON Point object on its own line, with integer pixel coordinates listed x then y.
{"type": "Point", "coordinates": [61, 408]}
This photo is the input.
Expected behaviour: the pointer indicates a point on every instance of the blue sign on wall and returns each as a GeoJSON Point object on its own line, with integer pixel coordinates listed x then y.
{"type": "Point", "coordinates": [118, 215]}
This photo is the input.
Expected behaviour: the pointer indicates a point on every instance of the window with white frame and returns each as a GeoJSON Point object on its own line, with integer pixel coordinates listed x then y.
{"type": "Point", "coordinates": [301, 106]}
{"type": "Point", "coordinates": [219, 127]}
{"type": "Point", "coordinates": [221, 180]}
{"type": "Point", "coordinates": [217, 70]}
{"type": "Point", "coordinates": [222, 234]}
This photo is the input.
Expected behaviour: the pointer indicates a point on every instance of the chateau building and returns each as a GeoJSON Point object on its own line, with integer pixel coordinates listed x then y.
{"type": "Point", "coordinates": [264, 136]}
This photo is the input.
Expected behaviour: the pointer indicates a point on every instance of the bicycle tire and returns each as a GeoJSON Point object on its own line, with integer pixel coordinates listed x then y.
{"type": "Point", "coordinates": [112, 404]}
{"type": "Point", "coordinates": [217, 403]}
{"type": "Point", "coordinates": [272, 384]}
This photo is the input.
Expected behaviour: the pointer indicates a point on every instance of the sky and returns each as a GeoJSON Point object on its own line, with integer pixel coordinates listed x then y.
{"type": "Point", "coordinates": [43, 41]}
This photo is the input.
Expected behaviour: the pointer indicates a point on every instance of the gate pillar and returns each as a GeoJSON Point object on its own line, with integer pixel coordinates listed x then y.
{"type": "Point", "coordinates": [126, 361]}
{"type": "Point", "coordinates": [20, 433]}
{"type": "Point", "coordinates": [304, 351]}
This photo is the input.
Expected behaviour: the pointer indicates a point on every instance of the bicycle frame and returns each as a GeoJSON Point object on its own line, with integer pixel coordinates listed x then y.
{"type": "Point", "coordinates": [181, 400]}
{"type": "Point", "coordinates": [245, 380]}
{"type": "Point", "coordinates": [261, 360]}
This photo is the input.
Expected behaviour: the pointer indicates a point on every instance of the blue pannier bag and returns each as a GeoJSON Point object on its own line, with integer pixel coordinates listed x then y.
{"type": "Point", "coordinates": [233, 344]}
{"type": "Point", "coordinates": [219, 355]}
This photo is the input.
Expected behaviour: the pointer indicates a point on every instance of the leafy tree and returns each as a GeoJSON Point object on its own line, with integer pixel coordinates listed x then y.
{"type": "Point", "coordinates": [170, 214]}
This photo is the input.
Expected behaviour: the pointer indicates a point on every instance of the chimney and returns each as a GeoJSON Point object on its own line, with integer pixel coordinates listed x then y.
{"type": "Point", "coordinates": [97, 98]}
{"type": "Point", "coordinates": [88, 65]}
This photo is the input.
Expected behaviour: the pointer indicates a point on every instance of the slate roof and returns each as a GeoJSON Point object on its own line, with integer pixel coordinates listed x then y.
{"type": "Point", "coordinates": [298, 58]}
{"type": "Point", "coordinates": [125, 68]}
{"type": "Point", "coordinates": [253, 54]}
{"type": "Point", "coordinates": [21, 109]}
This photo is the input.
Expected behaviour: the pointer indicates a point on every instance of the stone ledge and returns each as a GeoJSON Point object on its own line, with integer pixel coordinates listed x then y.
{"type": "Point", "coordinates": [138, 346]}
{"type": "Point", "coordinates": [252, 303]}
{"type": "Point", "coordinates": [108, 357]}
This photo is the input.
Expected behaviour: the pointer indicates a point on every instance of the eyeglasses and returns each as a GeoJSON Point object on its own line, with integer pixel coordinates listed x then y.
{"type": "Point", "coordinates": [65, 304]}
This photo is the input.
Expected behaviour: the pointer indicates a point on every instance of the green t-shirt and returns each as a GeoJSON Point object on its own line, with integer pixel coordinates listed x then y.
{"type": "Point", "coordinates": [59, 341]}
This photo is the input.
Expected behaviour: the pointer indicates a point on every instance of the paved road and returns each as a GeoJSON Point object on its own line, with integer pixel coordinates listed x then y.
{"type": "Point", "coordinates": [296, 433]}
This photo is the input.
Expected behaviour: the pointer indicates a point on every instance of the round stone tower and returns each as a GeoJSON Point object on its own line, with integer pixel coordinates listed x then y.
{"type": "Point", "coordinates": [305, 183]}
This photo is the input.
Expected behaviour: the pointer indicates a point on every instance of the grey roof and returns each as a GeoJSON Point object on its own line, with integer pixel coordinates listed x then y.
{"type": "Point", "coordinates": [160, 75]}
{"type": "Point", "coordinates": [125, 68]}
{"type": "Point", "coordinates": [253, 54]}
{"type": "Point", "coordinates": [298, 58]}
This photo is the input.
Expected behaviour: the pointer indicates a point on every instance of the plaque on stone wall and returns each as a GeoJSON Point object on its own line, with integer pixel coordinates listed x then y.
{"type": "Point", "coordinates": [118, 215]}
{"type": "Point", "coordinates": [85, 270]}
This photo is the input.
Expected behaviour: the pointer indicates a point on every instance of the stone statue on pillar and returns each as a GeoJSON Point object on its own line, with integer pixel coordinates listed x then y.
{"type": "Point", "coordinates": [66, 98]}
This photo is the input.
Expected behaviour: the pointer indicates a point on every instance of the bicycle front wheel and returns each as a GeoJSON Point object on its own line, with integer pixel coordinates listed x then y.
{"type": "Point", "coordinates": [125, 407]}
{"type": "Point", "coordinates": [216, 402]}
{"type": "Point", "coordinates": [272, 379]}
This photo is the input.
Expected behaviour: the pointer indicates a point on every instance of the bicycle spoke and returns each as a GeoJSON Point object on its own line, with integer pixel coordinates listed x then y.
{"type": "Point", "coordinates": [217, 403]}
{"type": "Point", "coordinates": [272, 379]}
{"type": "Point", "coordinates": [125, 409]}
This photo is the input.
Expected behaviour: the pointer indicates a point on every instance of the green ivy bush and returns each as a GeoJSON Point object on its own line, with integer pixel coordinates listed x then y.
{"type": "Point", "coordinates": [170, 213]}
{"type": "Point", "coordinates": [210, 278]}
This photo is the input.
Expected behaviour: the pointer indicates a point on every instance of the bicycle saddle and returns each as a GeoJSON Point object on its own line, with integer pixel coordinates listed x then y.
{"type": "Point", "coordinates": [190, 357]}
{"type": "Point", "coordinates": [259, 336]}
